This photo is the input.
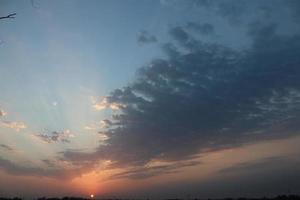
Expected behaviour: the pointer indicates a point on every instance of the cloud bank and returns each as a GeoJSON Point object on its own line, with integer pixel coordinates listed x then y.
{"type": "Point", "coordinates": [202, 97]}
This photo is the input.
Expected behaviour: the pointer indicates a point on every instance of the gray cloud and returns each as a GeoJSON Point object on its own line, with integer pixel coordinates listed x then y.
{"type": "Point", "coordinates": [51, 170]}
{"type": "Point", "coordinates": [182, 37]}
{"type": "Point", "coordinates": [204, 29]}
{"type": "Point", "coordinates": [240, 12]}
{"type": "Point", "coordinates": [258, 165]}
{"type": "Point", "coordinates": [179, 34]}
{"type": "Point", "coordinates": [146, 172]}
{"type": "Point", "coordinates": [55, 136]}
{"type": "Point", "coordinates": [145, 38]}
{"type": "Point", "coordinates": [268, 177]}
{"type": "Point", "coordinates": [294, 7]}
{"type": "Point", "coordinates": [6, 147]}
{"type": "Point", "coordinates": [16, 169]}
{"type": "Point", "coordinates": [268, 10]}
{"type": "Point", "coordinates": [203, 97]}
{"type": "Point", "coordinates": [49, 163]}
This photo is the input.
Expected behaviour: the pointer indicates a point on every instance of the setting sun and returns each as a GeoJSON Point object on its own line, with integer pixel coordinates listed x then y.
{"type": "Point", "coordinates": [92, 196]}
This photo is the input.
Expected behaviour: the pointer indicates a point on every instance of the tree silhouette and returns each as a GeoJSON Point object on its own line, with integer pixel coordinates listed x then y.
{"type": "Point", "coordinates": [10, 16]}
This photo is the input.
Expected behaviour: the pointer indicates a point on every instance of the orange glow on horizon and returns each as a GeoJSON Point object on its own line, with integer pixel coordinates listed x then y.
{"type": "Point", "coordinates": [88, 183]}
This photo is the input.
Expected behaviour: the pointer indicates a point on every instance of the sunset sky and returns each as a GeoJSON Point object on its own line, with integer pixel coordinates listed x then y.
{"type": "Point", "coordinates": [149, 99]}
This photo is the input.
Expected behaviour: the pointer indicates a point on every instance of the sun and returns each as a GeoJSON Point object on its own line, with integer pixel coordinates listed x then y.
{"type": "Point", "coordinates": [92, 196]}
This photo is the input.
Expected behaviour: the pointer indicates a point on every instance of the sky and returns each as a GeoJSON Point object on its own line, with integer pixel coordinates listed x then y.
{"type": "Point", "coordinates": [149, 99]}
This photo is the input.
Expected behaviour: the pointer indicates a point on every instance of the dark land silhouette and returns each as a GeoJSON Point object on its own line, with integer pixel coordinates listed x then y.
{"type": "Point", "coordinates": [279, 197]}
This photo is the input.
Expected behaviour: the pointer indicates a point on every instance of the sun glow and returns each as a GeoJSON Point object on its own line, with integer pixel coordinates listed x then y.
{"type": "Point", "coordinates": [88, 183]}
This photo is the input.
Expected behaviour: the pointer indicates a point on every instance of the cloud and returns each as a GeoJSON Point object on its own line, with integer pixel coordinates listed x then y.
{"type": "Point", "coordinates": [261, 164]}
{"type": "Point", "coordinates": [6, 147]}
{"type": "Point", "coordinates": [2, 113]}
{"type": "Point", "coordinates": [179, 34]}
{"type": "Point", "coordinates": [241, 12]}
{"type": "Point", "coordinates": [145, 38]}
{"type": "Point", "coordinates": [54, 172]}
{"type": "Point", "coordinates": [106, 123]}
{"type": "Point", "coordinates": [105, 103]}
{"type": "Point", "coordinates": [99, 126]}
{"type": "Point", "coordinates": [149, 171]}
{"type": "Point", "coordinates": [203, 97]}
{"type": "Point", "coordinates": [91, 127]}
{"type": "Point", "coordinates": [183, 39]}
{"type": "Point", "coordinates": [49, 163]}
{"type": "Point", "coordinates": [294, 6]}
{"type": "Point", "coordinates": [204, 29]}
{"type": "Point", "coordinates": [268, 176]}
{"type": "Point", "coordinates": [17, 126]}
{"type": "Point", "coordinates": [238, 12]}
{"type": "Point", "coordinates": [55, 136]}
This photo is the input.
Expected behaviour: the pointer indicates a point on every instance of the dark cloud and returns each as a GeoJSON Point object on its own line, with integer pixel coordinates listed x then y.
{"type": "Point", "coordinates": [179, 34]}
{"type": "Point", "coordinates": [203, 97]}
{"type": "Point", "coordinates": [294, 6]}
{"type": "Point", "coordinates": [145, 38]}
{"type": "Point", "coordinates": [170, 50]}
{"type": "Point", "coordinates": [234, 10]}
{"type": "Point", "coordinates": [107, 122]}
{"type": "Point", "coordinates": [265, 177]}
{"type": "Point", "coordinates": [183, 39]}
{"type": "Point", "coordinates": [6, 147]}
{"type": "Point", "coordinates": [55, 136]}
{"type": "Point", "coordinates": [49, 163]}
{"type": "Point", "coordinates": [258, 165]}
{"type": "Point", "coordinates": [146, 172]}
{"type": "Point", "coordinates": [52, 169]}
{"type": "Point", "coordinates": [204, 29]}
{"type": "Point", "coordinates": [240, 12]}
{"type": "Point", "coordinates": [15, 169]}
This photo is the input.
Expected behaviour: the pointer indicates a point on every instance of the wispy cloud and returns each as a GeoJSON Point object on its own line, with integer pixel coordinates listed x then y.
{"type": "Point", "coordinates": [150, 171]}
{"type": "Point", "coordinates": [103, 124]}
{"type": "Point", "coordinates": [2, 113]}
{"type": "Point", "coordinates": [55, 136]}
{"type": "Point", "coordinates": [17, 126]}
{"type": "Point", "coordinates": [52, 171]}
{"type": "Point", "coordinates": [105, 103]}
{"type": "Point", "coordinates": [145, 38]}
{"type": "Point", "coordinates": [91, 127]}
{"type": "Point", "coordinates": [6, 147]}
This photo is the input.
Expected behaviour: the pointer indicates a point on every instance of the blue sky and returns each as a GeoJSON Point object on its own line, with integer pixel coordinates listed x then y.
{"type": "Point", "coordinates": [70, 50]}
{"type": "Point", "coordinates": [125, 97]}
